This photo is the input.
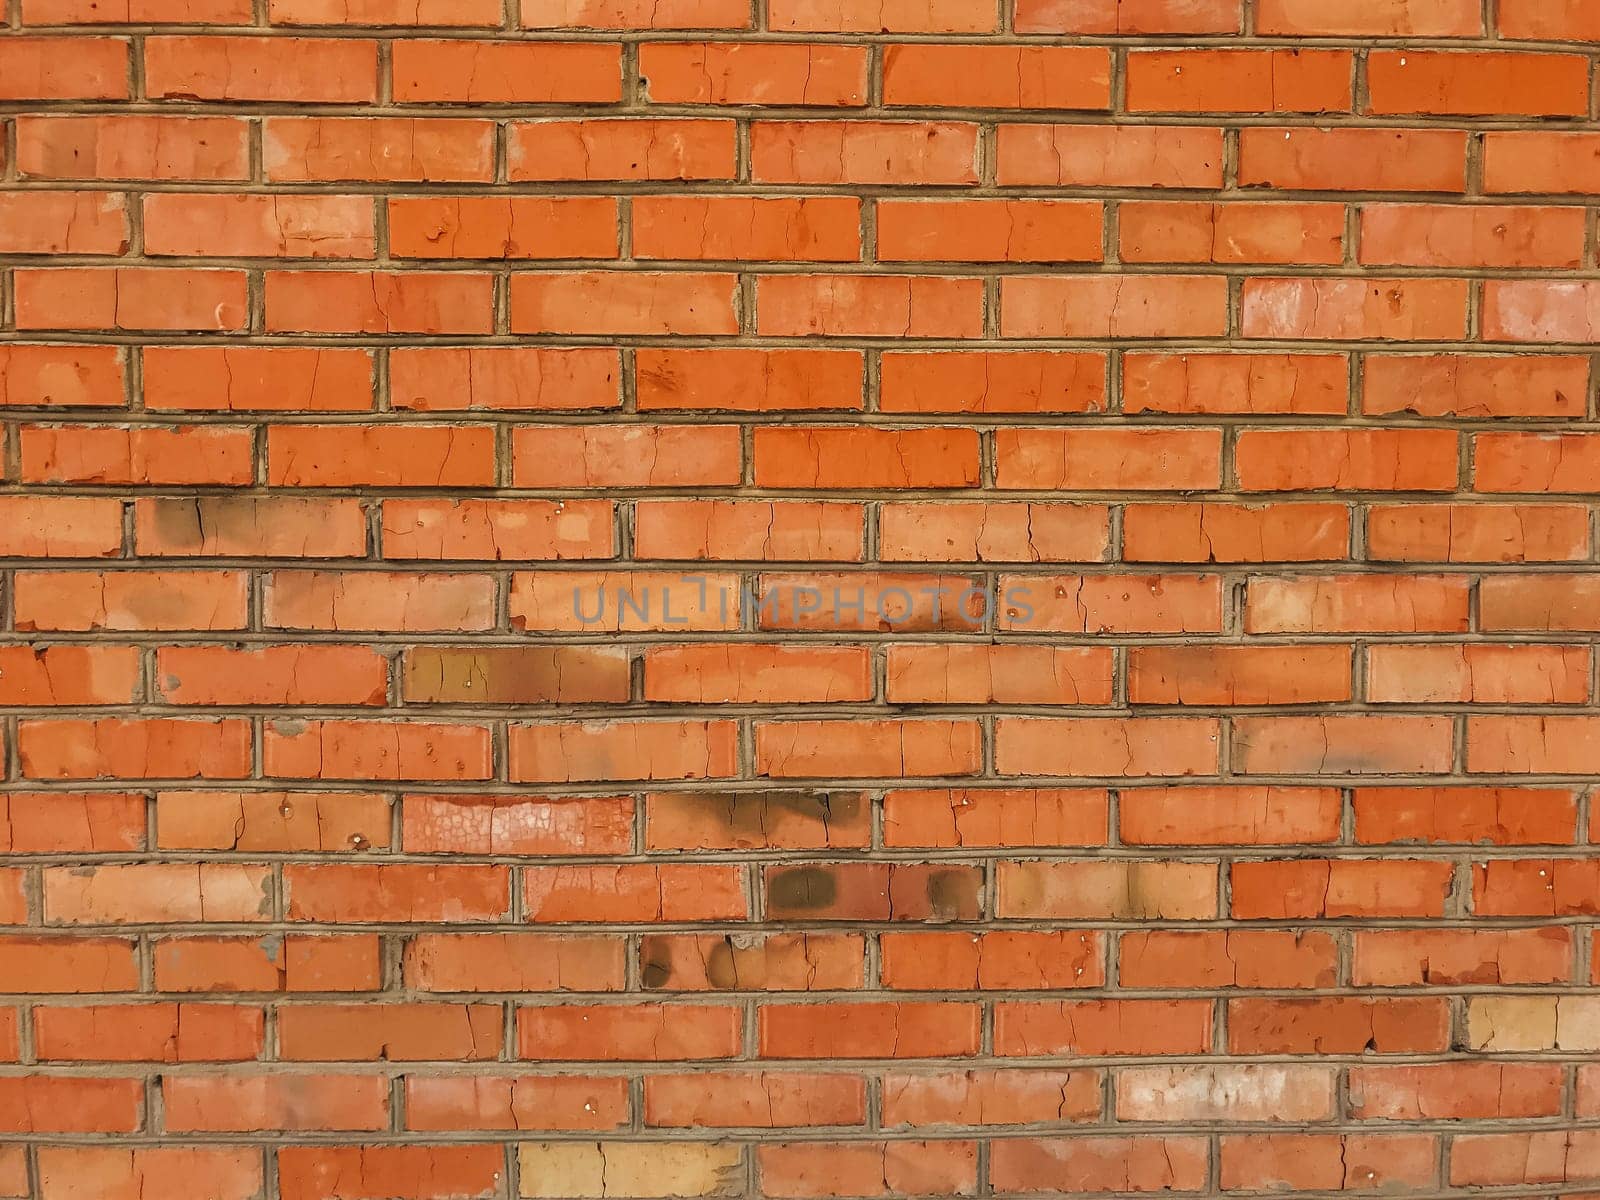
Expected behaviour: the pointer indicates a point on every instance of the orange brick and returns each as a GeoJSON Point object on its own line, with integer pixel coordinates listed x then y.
{"type": "Point", "coordinates": [1031, 77]}
{"type": "Point", "coordinates": [1110, 156]}
{"type": "Point", "coordinates": [1429, 82]}
{"type": "Point", "coordinates": [517, 227]}
{"type": "Point", "coordinates": [989, 231]}
{"type": "Point", "coordinates": [460, 71]}
{"type": "Point", "coordinates": [772, 228]}
{"type": "Point", "coordinates": [1182, 231]}
{"type": "Point", "coordinates": [1254, 81]}
{"type": "Point", "coordinates": [115, 146]}
{"type": "Point", "coordinates": [772, 74]}
{"type": "Point", "coordinates": [322, 149]}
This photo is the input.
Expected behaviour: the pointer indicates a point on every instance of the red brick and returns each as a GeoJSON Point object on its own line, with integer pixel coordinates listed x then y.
{"type": "Point", "coordinates": [1227, 958]}
{"type": "Point", "coordinates": [637, 1032]}
{"type": "Point", "coordinates": [1494, 816]}
{"type": "Point", "coordinates": [1001, 532]}
{"type": "Point", "coordinates": [1477, 533]}
{"type": "Point", "coordinates": [68, 1104]}
{"type": "Point", "coordinates": [621, 150]}
{"type": "Point", "coordinates": [379, 600]}
{"type": "Point", "coordinates": [382, 149]}
{"type": "Point", "coordinates": [1183, 231]}
{"type": "Point", "coordinates": [60, 676]}
{"type": "Point", "coordinates": [134, 12]}
{"type": "Point", "coordinates": [1287, 889]}
{"type": "Point", "coordinates": [444, 379]}
{"type": "Point", "coordinates": [130, 298]}
{"type": "Point", "coordinates": [1337, 745]}
{"type": "Point", "coordinates": [867, 1169]}
{"type": "Point", "coordinates": [901, 1029]}
{"type": "Point", "coordinates": [55, 68]}
{"type": "Point", "coordinates": [1555, 20]}
{"type": "Point", "coordinates": [1435, 82]}
{"type": "Point", "coordinates": [1307, 1161]}
{"type": "Point", "coordinates": [257, 379]}
{"type": "Point", "coordinates": [1400, 958]}
{"type": "Point", "coordinates": [1235, 383]}
{"type": "Point", "coordinates": [1100, 1164]}
{"type": "Point", "coordinates": [230, 1173]}
{"type": "Point", "coordinates": [772, 1101]}
{"type": "Point", "coordinates": [1340, 1025]}
{"type": "Point", "coordinates": [63, 223]}
{"type": "Point", "coordinates": [1032, 77]}
{"type": "Point", "coordinates": [495, 529]}
{"type": "Point", "coordinates": [514, 228]}
{"type": "Point", "coordinates": [1278, 532]}
{"type": "Point", "coordinates": [378, 302]}
{"type": "Point", "coordinates": [1371, 18]}
{"type": "Point", "coordinates": [352, 749]}
{"type": "Point", "coordinates": [1229, 816]}
{"type": "Point", "coordinates": [134, 748]}
{"type": "Point", "coordinates": [66, 965]}
{"type": "Point", "coordinates": [1391, 160]}
{"type": "Point", "coordinates": [995, 817]}
{"type": "Point", "coordinates": [399, 892]}
{"type": "Point", "coordinates": [1411, 460]}
{"type": "Point", "coordinates": [830, 457]}
{"type": "Point", "coordinates": [318, 1173]}
{"type": "Point", "coordinates": [1110, 603]}
{"type": "Point", "coordinates": [1206, 675]}
{"type": "Point", "coordinates": [869, 306]}
{"type": "Point", "coordinates": [998, 960]}
{"type": "Point", "coordinates": [616, 302]}
{"type": "Point", "coordinates": [989, 231]}
{"type": "Point", "coordinates": [1535, 311]}
{"type": "Point", "coordinates": [721, 228]}
{"type": "Point", "coordinates": [634, 14]}
{"type": "Point", "coordinates": [1113, 306]}
{"type": "Point", "coordinates": [1538, 602]}
{"type": "Point", "coordinates": [380, 456]}
{"type": "Point", "coordinates": [59, 822]}
{"type": "Point", "coordinates": [1110, 156]}
{"type": "Point", "coordinates": [149, 1033]}
{"type": "Point", "coordinates": [1449, 236]}
{"type": "Point", "coordinates": [595, 751]}
{"type": "Point", "coordinates": [1128, 16]}
{"type": "Point", "coordinates": [61, 377]}
{"type": "Point", "coordinates": [116, 146]}
{"type": "Point", "coordinates": [772, 74]}
{"type": "Point", "coordinates": [288, 69]}
{"type": "Point", "coordinates": [1102, 1027]}
{"type": "Point", "coordinates": [1253, 81]}
{"type": "Point", "coordinates": [999, 381]}
{"type": "Point", "coordinates": [1116, 890]}
{"type": "Point", "coordinates": [1483, 674]}
{"type": "Point", "coordinates": [1352, 604]}
{"type": "Point", "coordinates": [1107, 459]}
{"type": "Point", "coordinates": [244, 1101]}
{"type": "Point", "coordinates": [473, 72]}
{"type": "Point", "coordinates": [105, 454]}
{"type": "Point", "coordinates": [864, 749]}
{"type": "Point", "coordinates": [1007, 1096]}
{"type": "Point", "coordinates": [442, 1103]}
{"type": "Point", "coordinates": [864, 152]}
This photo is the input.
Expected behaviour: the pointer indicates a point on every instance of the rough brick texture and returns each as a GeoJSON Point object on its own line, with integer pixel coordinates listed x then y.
{"type": "Point", "coordinates": [798, 598]}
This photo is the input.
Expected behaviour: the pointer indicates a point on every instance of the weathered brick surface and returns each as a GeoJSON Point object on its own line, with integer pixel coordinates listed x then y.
{"type": "Point", "coordinates": [798, 598]}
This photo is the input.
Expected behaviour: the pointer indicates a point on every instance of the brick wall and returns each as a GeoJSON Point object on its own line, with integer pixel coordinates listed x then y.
{"type": "Point", "coordinates": [798, 598]}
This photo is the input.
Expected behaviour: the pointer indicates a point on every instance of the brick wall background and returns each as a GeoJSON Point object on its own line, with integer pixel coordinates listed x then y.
{"type": "Point", "coordinates": [1243, 350]}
